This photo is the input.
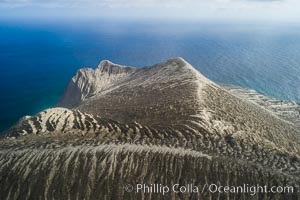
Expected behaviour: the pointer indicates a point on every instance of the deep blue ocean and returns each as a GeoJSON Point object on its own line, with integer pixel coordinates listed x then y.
{"type": "Point", "coordinates": [38, 58]}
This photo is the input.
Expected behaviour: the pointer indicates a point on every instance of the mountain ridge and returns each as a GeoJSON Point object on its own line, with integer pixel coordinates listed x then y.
{"type": "Point", "coordinates": [165, 123]}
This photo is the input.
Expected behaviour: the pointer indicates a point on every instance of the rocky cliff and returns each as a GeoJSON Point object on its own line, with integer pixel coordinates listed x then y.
{"type": "Point", "coordinates": [163, 124]}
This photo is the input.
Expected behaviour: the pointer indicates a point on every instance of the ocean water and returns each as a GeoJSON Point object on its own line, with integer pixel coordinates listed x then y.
{"type": "Point", "coordinates": [37, 59]}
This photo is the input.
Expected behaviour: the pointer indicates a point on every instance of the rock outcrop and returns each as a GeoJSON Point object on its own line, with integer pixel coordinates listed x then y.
{"type": "Point", "coordinates": [88, 82]}
{"type": "Point", "coordinates": [162, 124]}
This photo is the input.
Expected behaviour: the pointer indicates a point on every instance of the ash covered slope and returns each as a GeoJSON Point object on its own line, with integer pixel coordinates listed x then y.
{"type": "Point", "coordinates": [287, 110]}
{"type": "Point", "coordinates": [165, 94]}
{"type": "Point", "coordinates": [174, 93]}
{"type": "Point", "coordinates": [162, 124]}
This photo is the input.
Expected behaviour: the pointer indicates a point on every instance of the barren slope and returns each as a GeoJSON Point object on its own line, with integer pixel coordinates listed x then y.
{"type": "Point", "coordinates": [161, 124]}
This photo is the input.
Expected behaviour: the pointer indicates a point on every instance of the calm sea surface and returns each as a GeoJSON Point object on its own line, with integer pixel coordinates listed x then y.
{"type": "Point", "coordinates": [37, 59]}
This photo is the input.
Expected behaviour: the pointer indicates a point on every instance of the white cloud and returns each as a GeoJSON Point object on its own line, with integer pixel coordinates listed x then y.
{"type": "Point", "coordinates": [234, 9]}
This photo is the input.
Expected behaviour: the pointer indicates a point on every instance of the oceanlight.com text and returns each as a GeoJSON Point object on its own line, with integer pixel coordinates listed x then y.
{"type": "Point", "coordinates": [212, 188]}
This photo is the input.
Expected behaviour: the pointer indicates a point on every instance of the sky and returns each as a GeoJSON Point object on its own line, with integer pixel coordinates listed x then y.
{"type": "Point", "coordinates": [173, 9]}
